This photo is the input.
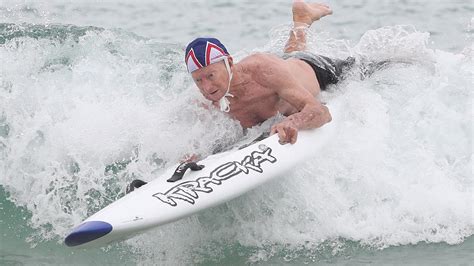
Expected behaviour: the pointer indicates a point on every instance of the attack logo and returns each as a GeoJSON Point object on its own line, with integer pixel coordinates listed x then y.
{"type": "Point", "coordinates": [188, 191]}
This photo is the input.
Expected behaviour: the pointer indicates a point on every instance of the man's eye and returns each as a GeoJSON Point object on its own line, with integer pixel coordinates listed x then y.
{"type": "Point", "coordinates": [210, 76]}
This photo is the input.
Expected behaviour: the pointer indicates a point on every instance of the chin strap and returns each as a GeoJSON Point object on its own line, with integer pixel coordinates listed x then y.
{"type": "Point", "coordinates": [224, 102]}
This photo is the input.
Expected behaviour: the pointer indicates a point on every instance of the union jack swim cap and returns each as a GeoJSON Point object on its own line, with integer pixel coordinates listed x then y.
{"type": "Point", "coordinates": [204, 51]}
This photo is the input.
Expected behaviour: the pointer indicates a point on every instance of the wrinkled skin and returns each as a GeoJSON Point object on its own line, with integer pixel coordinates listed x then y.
{"type": "Point", "coordinates": [264, 84]}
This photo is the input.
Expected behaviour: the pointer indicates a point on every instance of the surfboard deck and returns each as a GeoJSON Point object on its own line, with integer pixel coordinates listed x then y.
{"type": "Point", "coordinates": [224, 177]}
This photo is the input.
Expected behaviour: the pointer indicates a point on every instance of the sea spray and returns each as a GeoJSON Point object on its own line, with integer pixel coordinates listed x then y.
{"type": "Point", "coordinates": [93, 109]}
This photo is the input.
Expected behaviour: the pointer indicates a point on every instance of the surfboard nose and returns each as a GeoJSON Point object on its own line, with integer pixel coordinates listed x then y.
{"type": "Point", "coordinates": [87, 232]}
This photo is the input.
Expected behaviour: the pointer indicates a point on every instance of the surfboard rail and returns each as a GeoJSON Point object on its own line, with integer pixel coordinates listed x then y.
{"type": "Point", "coordinates": [223, 177]}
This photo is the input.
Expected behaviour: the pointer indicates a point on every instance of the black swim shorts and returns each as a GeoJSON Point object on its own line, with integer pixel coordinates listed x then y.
{"type": "Point", "coordinates": [327, 70]}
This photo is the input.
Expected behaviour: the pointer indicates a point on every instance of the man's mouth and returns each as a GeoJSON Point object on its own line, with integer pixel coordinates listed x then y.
{"type": "Point", "coordinates": [212, 93]}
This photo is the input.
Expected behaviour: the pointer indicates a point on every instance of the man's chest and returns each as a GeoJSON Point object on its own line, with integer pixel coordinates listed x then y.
{"type": "Point", "coordinates": [255, 105]}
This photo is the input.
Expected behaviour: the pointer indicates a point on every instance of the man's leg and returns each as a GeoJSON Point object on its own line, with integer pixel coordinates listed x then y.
{"type": "Point", "coordinates": [304, 15]}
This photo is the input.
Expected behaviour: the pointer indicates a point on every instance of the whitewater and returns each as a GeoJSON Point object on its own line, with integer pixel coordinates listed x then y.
{"type": "Point", "coordinates": [95, 94]}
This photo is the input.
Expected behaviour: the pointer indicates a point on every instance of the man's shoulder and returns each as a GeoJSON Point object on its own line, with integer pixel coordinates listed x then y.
{"type": "Point", "coordinates": [262, 57]}
{"type": "Point", "coordinates": [263, 67]}
{"type": "Point", "coordinates": [259, 61]}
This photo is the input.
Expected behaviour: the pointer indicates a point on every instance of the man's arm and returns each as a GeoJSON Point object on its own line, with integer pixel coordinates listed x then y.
{"type": "Point", "coordinates": [309, 117]}
{"type": "Point", "coordinates": [311, 113]}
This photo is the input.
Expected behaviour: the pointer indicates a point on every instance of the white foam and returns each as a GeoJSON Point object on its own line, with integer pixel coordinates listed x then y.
{"type": "Point", "coordinates": [398, 171]}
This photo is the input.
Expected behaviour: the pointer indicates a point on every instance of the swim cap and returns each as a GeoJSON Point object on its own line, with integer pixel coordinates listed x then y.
{"type": "Point", "coordinates": [204, 51]}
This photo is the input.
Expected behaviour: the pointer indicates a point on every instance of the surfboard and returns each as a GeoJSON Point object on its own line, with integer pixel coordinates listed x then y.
{"type": "Point", "coordinates": [192, 187]}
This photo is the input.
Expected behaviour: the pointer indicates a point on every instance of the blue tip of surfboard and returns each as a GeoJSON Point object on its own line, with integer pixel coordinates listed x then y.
{"type": "Point", "coordinates": [87, 232]}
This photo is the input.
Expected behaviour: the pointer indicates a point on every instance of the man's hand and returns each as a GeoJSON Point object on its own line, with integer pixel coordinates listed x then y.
{"type": "Point", "coordinates": [189, 158]}
{"type": "Point", "coordinates": [287, 133]}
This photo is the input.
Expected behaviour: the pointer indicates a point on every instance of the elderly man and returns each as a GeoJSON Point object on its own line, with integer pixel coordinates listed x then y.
{"type": "Point", "coordinates": [261, 85]}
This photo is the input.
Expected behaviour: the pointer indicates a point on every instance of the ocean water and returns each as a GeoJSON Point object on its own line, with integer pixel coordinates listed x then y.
{"type": "Point", "coordinates": [94, 94]}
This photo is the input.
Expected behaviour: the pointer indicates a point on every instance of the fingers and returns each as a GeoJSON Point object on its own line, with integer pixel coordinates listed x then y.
{"type": "Point", "coordinates": [286, 134]}
{"type": "Point", "coordinates": [282, 136]}
{"type": "Point", "coordinates": [189, 158]}
{"type": "Point", "coordinates": [293, 135]}
{"type": "Point", "coordinates": [273, 130]}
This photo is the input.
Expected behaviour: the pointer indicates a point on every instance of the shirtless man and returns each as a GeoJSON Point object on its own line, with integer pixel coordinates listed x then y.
{"type": "Point", "coordinates": [261, 85]}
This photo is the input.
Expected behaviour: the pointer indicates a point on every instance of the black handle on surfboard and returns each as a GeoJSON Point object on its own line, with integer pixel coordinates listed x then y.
{"type": "Point", "coordinates": [134, 185]}
{"type": "Point", "coordinates": [179, 172]}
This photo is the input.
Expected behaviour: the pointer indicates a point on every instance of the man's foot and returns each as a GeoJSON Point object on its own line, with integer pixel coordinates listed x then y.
{"type": "Point", "coordinates": [304, 13]}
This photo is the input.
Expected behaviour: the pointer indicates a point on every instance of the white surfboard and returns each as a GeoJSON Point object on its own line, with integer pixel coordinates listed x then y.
{"type": "Point", "coordinates": [225, 176]}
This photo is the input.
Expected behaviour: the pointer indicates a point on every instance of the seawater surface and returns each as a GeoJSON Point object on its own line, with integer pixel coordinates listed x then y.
{"type": "Point", "coordinates": [94, 94]}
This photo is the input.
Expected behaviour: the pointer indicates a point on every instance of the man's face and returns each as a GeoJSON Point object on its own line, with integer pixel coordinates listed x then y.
{"type": "Point", "coordinates": [212, 80]}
